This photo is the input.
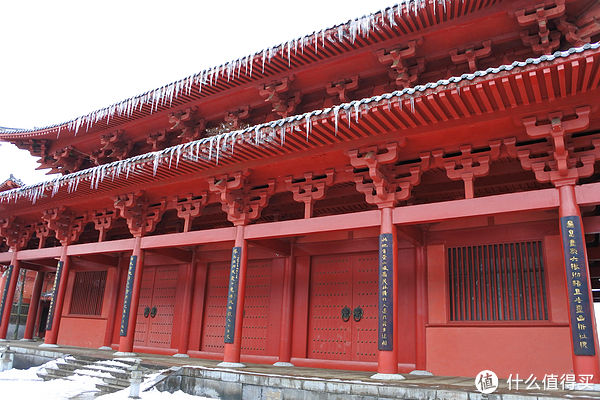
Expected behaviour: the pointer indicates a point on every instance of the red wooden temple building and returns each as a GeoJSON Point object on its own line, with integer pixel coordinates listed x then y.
{"type": "Point", "coordinates": [416, 189]}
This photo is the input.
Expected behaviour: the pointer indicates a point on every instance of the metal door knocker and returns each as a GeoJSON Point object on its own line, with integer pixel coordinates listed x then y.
{"type": "Point", "coordinates": [153, 312]}
{"type": "Point", "coordinates": [358, 313]}
{"type": "Point", "coordinates": [345, 314]}
{"type": "Point", "coordinates": [146, 312]}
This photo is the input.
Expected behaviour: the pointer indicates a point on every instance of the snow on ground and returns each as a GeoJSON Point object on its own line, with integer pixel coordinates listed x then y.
{"type": "Point", "coordinates": [25, 384]}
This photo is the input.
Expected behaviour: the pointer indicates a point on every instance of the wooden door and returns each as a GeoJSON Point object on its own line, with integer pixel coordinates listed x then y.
{"type": "Point", "coordinates": [343, 282]}
{"type": "Point", "coordinates": [158, 291]}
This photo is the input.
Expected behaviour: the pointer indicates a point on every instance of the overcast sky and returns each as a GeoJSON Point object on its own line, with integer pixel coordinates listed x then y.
{"type": "Point", "coordinates": [63, 59]}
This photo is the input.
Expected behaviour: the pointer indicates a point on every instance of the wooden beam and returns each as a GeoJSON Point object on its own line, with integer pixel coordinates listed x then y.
{"type": "Point", "coordinates": [45, 262]}
{"type": "Point", "coordinates": [189, 238]}
{"type": "Point", "coordinates": [50, 252]}
{"type": "Point", "coordinates": [412, 234]}
{"type": "Point", "coordinates": [278, 246]}
{"type": "Point", "coordinates": [103, 260]}
{"type": "Point", "coordinates": [363, 219]}
{"type": "Point", "coordinates": [489, 205]}
{"type": "Point", "coordinates": [174, 253]}
{"type": "Point", "coordinates": [113, 246]}
{"type": "Point", "coordinates": [591, 224]}
{"type": "Point", "coordinates": [588, 194]}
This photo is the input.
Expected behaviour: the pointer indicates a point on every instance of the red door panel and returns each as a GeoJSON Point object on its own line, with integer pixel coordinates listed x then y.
{"type": "Point", "coordinates": [338, 281]}
{"type": "Point", "coordinates": [213, 328]}
{"type": "Point", "coordinates": [366, 285]}
{"type": "Point", "coordinates": [330, 291]}
{"type": "Point", "coordinates": [256, 330]}
{"type": "Point", "coordinates": [141, 326]}
{"type": "Point", "coordinates": [163, 298]}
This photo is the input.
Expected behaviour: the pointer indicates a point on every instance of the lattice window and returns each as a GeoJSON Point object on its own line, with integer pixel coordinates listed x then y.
{"type": "Point", "coordinates": [497, 282]}
{"type": "Point", "coordinates": [88, 293]}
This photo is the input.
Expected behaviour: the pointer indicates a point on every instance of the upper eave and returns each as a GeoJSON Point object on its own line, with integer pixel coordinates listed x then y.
{"type": "Point", "coordinates": [406, 17]}
{"type": "Point", "coordinates": [522, 83]}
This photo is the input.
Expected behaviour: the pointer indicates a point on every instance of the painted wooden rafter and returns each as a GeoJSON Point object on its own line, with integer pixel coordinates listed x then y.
{"type": "Point", "coordinates": [382, 186]}
{"type": "Point", "coordinates": [141, 215]}
{"type": "Point", "coordinates": [190, 206]}
{"type": "Point", "coordinates": [341, 88]}
{"type": "Point", "coordinates": [66, 225]}
{"type": "Point", "coordinates": [278, 93]}
{"type": "Point", "coordinates": [103, 220]}
{"type": "Point", "coordinates": [399, 60]}
{"type": "Point", "coordinates": [468, 165]}
{"type": "Point", "coordinates": [471, 54]}
{"type": "Point", "coordinates": [15, 232]}
{"type": "Point", "coordinates": [543, 41]}
{"type": "Point", "coordinates": [309, 188]}
{"type": "Point", "coordinates": [561, 163]}
{"type": "Point", "coordinates": [241, 202]}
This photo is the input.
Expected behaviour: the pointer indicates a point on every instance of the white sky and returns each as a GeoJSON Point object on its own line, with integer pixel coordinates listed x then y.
{"type": "Point", "coordinates": [62, 59]}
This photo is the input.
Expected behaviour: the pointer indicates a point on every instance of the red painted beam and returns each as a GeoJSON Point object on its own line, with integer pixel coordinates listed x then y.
{"type": "Point", "coordinates": [50, 252]}
{"type": "Point", "coordinates": [363, 219]}
{"type": "Point", "coordinates": [5, 258]}
{"type": "Point", "coordinates": [189, 238]}
{"type": "Point", "coordinates": [100, 247]}
{"type": "Point", "coordinates": [588, 194]}
{"type": "Point", "coordinates": [489, 205]}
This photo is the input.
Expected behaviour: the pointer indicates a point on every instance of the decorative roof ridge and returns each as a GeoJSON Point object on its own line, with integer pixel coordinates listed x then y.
{"type": "Point", "coordinates": [348, 31]}
{"type": "Point", "coordinates": [11, 181]}
{"type": "Point", "coordinates": [196, 150]}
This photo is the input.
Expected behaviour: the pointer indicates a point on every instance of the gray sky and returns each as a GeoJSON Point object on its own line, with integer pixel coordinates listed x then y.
{"type": "Point", "coordinates": [62, 59]}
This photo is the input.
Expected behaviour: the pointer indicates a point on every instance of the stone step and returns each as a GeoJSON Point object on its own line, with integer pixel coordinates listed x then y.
{"type": "Point", "coordinates": [54, 374]}
{"type": "Point", "coordinates": [117, 382]}
{"type": "Point", "coordinates": [106, 388]}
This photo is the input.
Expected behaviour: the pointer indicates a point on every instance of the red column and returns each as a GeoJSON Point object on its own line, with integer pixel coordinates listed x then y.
{"type": "Point", "coordinates": [58, 297]}
{"type": "Point", "coordinates": [34, 302]}
{"type": "Point", "coordinates": [287, 312]}
{"type": "Point", "coordinates": [582, 364]}
{"type": "Point", "coordinates": [132, 298]}
{"type": "Point", "coordinates": [231, 357]}
{"type": "Point", "coordinates": [8, 294]}
{"type": "Point", "coordinates": [387, 360]}
{"type": "Point", "coordinates": [182, 347]}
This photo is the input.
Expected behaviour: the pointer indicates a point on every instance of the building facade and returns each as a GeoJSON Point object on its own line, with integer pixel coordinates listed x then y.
{"type": "Point", "coordinates": [416, 189]}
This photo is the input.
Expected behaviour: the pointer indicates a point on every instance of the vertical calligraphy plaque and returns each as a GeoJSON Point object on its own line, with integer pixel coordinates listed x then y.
{"type": "Point", "coordinates": [232, 295]}
{"type": "Point", "coordinates": [59, 269]}
{"type": "Point", "coordinates": [5, 291]}
{"type": "Point", "coordinates": [127, 298]}
{"type": "Point", "coordinates": [385, 337]}
{"type": "Point", "coordinates": [577, 284]}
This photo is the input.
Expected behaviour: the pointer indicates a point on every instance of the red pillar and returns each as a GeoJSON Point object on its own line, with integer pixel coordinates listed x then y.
{"type": "Point", "coordinates": [231, 357]}
{"type": "Point", "coordinates": [387, 355]}
{"type": "Point", "coordinates": [33, 305]}
{"type": "Point", "coordinates": [132, 298]}
{"type": "Point", "coordinates": [8, 294]}
{"type": "Point", "coordinates": [58, 297]}
{"type": "Point", "coordinates": [582, 364]}
{"type": "Point", "coordinates": [287, 312]}
{"type": "Point", "coordinates": [184, 337]}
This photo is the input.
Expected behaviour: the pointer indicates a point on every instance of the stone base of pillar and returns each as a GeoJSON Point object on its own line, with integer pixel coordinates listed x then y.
{"type": "Point", "coordinates": [181, 355]}
{"type": "Point", "coordinates": [420, 372]}
{"type": "Point", "coordinates": [104, 348]}
{"type": "Point", "coordinates": [48, 345]}
{"type": "Point", "coordinates": [3, 340]}
{"type": "Point", "coordinates": [388, 377]}
{"type": "Point", "coordinates": [283, 364]}
{"type": "Point", "coordinates": [124, 354]}
{"type": "Point", "coordinates": [231, 365]}
{"type": "Point", "coordinates": [25, 340]}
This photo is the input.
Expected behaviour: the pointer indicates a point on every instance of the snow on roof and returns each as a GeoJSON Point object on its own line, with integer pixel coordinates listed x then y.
{"type": "Point", "coordinates": [346, 32]}
{"type": "Point", "coordinates": [214, 147]}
